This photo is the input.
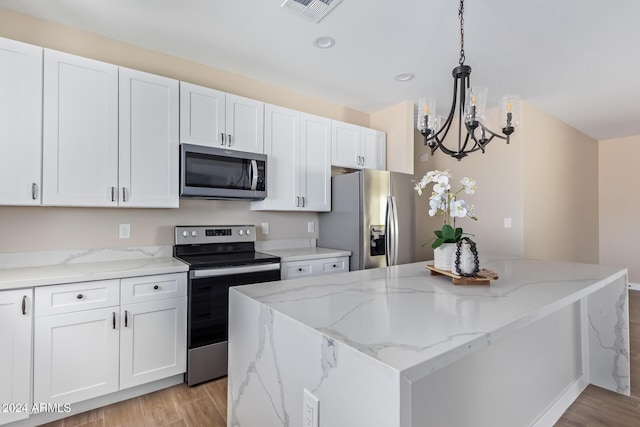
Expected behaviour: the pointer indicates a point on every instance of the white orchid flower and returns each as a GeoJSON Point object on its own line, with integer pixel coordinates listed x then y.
{"type": "Point", "coordinates": [442, 187]}
{"type": "Point", "coordinates": [459, 209]}
{"type": "Point", "coordinates": [469, 185]}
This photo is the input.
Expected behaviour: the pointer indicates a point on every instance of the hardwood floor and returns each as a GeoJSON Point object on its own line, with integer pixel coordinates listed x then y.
{"type": "Point", "coordinates": [206, 405]}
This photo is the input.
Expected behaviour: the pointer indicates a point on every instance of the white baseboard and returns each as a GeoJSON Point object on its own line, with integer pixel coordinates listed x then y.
{"type": "Point", "coordinates": [555, 411]}
{"type": "Point", "coordinates": [634, 286]}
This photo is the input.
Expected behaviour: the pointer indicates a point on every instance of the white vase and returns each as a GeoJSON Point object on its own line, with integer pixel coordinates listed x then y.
{"type": "Point", "coordinates": [442, 256]}
{"type": "Point", "coordinates": [467, 260]}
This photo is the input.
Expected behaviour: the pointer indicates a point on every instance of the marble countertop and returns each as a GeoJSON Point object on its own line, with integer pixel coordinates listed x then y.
{"type": "Point", "coordinates": [306, 253]}
{"type": "Point", "coordinates": [78, 266]}
{"type": "Point", "coordinates": [417, 323]}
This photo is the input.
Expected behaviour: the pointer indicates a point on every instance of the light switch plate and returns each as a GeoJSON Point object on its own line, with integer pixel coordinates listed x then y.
{"type": "Point", "coordinates": [265, 227]}
{"type": "Point", "coordinates": [311, 227]}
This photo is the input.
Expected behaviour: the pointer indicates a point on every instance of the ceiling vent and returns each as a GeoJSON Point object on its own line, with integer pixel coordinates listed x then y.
{"type": "Point", "coordinates": [313, 10]}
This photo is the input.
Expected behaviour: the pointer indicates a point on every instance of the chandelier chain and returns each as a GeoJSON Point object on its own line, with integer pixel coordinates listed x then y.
{"type": "Point", "coordinates": [461, 16]}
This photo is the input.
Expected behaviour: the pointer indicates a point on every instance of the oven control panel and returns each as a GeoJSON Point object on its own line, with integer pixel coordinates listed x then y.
{"type": "Point", "coordinates": [203, 234]}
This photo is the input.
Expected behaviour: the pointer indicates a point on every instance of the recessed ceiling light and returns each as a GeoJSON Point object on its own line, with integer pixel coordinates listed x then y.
{"type": "Point", "coordinates": [405, 77]}
{"type": "Point", "coordinates": [324, 42]}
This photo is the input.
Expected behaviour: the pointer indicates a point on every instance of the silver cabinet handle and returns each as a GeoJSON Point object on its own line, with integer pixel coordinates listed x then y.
{"type": "Point", "coordinates": [24, 305]}
{"type": "Point", "coordinates": [126, 318]}
{"type": "Point", "coordinates": [362, 160]}
{"type": "Point", "coordinates": [297, 201]}
{"type": "Point", "coordinates": [303, 201]}
{"type": "Point", "coordinates": [114, 320]}
{"type": "Point", "coordinates": [34, 191]}
{"type": "Point", "coordinates": [221, 138]}
{"type": "Point", "coordinates": [114, 190]}
{"type": "Point", "coordinates": [124, 194]}
{"type": "Point", "coordinates": [228, 140]}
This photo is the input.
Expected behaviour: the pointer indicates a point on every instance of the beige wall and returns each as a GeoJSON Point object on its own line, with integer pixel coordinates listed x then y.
{"type": "Point", "coordinates": [545, 180]}
{"type": "Point", "coordinates": [397, 122]}
{"type": "Point", "coordinates": [619, 204]}
{"type": "Point", "coordinates": [49, 228]}
{"type": "Point", "coordinates": [560, 190]}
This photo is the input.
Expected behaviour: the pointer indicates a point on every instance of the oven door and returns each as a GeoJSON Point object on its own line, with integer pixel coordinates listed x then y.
{"type": "Point", "coordinates": [207, 318]}
{"type": "Point", "coordinates": [215, 173]}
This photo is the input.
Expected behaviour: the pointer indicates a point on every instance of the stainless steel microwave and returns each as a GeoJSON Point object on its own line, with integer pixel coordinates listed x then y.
{"type": "Point", "coordinates": [216, 173]}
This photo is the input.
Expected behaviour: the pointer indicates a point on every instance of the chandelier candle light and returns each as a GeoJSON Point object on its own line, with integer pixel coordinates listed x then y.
{"type": "Point", "coordinates": [471, 103]}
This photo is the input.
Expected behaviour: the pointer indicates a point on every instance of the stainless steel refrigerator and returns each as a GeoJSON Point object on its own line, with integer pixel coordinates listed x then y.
{"type": "Point", "coordinates": [373, 216]}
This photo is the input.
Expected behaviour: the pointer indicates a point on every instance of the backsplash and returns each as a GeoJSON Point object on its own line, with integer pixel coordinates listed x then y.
{"type": "Point", "coordinates": [37, 229]}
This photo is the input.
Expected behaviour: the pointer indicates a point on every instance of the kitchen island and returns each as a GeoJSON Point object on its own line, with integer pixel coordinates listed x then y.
{"type": "Point", "coordinates": [396, 347]}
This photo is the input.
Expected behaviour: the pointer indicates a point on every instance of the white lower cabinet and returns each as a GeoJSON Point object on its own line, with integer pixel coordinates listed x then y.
{"type": "Point", "coordinates": [314, 267]}
{"type": "Point", "coordinates": [15, 354]}
{"type": "Point", "coordinates": [86, 346]}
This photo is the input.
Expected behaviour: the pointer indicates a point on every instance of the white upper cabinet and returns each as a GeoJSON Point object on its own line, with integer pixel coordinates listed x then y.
{"type": "Point", "coordinates": [148, 147]}
{"type": "Point", "coordinates": [80, 131]}
{"type": "Point", "coordinates": [373, 144]}
{"type": "Point", "coordinates": [245, 124]}
{"type": "Point", "coordinates": [219, 119]}
{"type": "Point", "coordinates": [110, 135]}
{"type": "Point", "coordinates": [298, 163]}
{"type": "Point", "coordinates": [315, 162]}
{"type": "Point", "coordinates": [357, 147]}
{"type": "Point", "coordinates": [21, 129]}
{"type": "Point", "coordinates": [202, 115]}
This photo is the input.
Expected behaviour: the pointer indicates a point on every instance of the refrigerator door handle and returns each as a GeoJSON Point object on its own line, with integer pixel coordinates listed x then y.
{"type": "Point", "coordinates": [394, 225]}
{"type": "Point", "coordinates": [387, 228]}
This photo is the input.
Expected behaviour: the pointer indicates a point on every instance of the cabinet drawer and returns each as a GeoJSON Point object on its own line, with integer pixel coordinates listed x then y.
{"type": "Point", "coordinates": [333, 265]}
{"type": "Point", "coordinates": [296, 269]}
{"type": "Point", "coordinates": [153, 288]}
{"type": "Point", "coordinates": [72, 297]}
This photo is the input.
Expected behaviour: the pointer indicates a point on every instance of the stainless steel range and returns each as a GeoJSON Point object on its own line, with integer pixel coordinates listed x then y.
{"type": "Point", "coordinates": [218, 257]}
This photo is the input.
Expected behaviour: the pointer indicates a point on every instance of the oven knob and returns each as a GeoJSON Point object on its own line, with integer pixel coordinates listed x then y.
{"type": "Point", "coordinates": [185, 234]}
{"type": "Point", "coordinates": [241, 232]}
{"type": "Point", "coordinates": [248, 231]}
{"type": "Point", "coordinates": [194, 233]}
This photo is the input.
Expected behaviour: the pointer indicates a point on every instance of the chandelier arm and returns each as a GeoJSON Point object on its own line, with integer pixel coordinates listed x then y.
{"type": "Point", "coordinates": [486, 129]}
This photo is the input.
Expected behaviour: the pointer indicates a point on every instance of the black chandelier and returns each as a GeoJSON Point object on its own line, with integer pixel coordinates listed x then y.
{"type": "Point", "coordinates": [471, 103]}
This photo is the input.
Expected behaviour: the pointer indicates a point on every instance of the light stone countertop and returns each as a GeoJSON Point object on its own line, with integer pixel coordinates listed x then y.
{"type": "Point", "coordinates": [417, 323]}
{"type": "Point", "coordinates": [28, 269]}
{"type": "Point", "coordinates": [302, 254]}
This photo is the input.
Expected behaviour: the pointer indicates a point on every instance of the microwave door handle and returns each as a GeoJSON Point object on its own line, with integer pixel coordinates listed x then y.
{"type": "Point", "coordinates": [254, 175]}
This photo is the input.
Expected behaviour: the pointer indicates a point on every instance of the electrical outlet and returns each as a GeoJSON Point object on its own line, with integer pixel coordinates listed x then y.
{"type": "Point", "coordinates": [311, 227]}
{"type": "Point", "coordinates": [124, 231]}
{"type": "Point", "coordinates": [310, 407]}
{"type": "Point", "coordinates": [265, 228]}
{"type": "Point", "coordinates": [507, 223]}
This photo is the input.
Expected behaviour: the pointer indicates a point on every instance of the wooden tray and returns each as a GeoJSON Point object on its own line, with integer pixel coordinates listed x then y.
{"type": "Point", "coordinates": [484, 276]}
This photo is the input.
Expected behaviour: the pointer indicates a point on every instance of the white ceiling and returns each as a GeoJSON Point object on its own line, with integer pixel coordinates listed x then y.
{"type": "Point", "coordinates": [575, 59]}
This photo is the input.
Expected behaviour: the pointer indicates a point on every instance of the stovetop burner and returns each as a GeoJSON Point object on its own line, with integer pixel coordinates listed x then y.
{"type": "Point", "coordinates": [218, 246]}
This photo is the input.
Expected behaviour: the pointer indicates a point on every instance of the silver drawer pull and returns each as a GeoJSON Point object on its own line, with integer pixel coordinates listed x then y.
{"type": "Point", "coordinates": [34, 191]}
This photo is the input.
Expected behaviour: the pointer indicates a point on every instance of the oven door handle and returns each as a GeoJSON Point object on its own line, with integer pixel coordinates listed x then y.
{"type": "Point", "coordinates": [254, 175]}
{"type": "Point", "coordinates": [215, 272]}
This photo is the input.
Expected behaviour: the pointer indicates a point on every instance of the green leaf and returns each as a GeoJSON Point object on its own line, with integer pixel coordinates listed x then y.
{"type": "Point", "coordinates": [458, 234]}
{"type": "Point", "coordinates": [438, 234]}
{"type": "Point", "coordinates": [438, 242]}
{"type": "Point", "coordinates": [448, 232]}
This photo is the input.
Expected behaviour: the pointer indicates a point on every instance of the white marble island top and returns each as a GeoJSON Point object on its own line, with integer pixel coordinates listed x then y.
{"type": "Point", "coordinates": [416, 323]}
{"type": "Point", "coordinates": [301, 254]}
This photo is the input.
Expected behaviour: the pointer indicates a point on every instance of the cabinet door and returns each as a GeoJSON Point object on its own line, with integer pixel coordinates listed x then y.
{"type": "Point", "coordinates": [244, 124]}
{"type": "Point", "coordinates": [345, 145]}
{"type": "Point", "coordinates": [202, 115]}
{"type": "Point", "coordinates": [21, 128]}
{"type": "Point", "coordinates": [315, 161]}
{"type": "Point", "coordinates": [80, 131]}
{"type": "Point", "coordinates": [153, 341]}
{"type": "Point", "coordinates": [281, 142]}
{"type": "Point", "coordinates": [148, 153]}
{"type": "Point", "coordinates": [15, 351]}
{"type": "Point", "coordinates": [75, 356]}
{"type": "Point", "coordinates": [373, 149]}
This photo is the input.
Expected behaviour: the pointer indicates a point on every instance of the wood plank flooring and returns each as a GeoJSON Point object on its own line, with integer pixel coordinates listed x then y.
{"type": "Point", "coordinates": [206, 405]}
